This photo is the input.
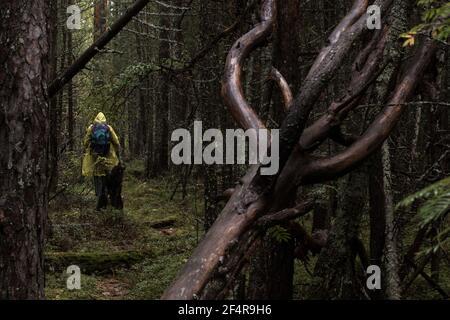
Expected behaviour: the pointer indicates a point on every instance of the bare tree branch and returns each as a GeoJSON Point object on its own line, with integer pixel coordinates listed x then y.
{"type": "Point", "coordinates": [286, 92]}
{"type": "Point", "coordinates": [379, 130]}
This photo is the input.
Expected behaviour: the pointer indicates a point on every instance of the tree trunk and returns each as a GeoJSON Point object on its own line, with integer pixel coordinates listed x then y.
{"type": "Point", "coordinates": [23, 140]}
{"type": "Point", "coordinates": [272, 270]}
{"type": "Point", "coordinates": [207, 110]}
{"type": "Point", "coordinates": [100, 17]}
{"type": "Point", "coordinates": [141, 131]}
{"type": "Point", "coordinates": [70, 95]}
{"type": "Point", "coordinates": [336, 275]}
{"type": "Point", "coordinates": [162, 111]}
{"type": "Point", "coordinates": [150, 150]}
{"type": "Point", "coordinates": [391, 260]}
{"type": "Point", "coordinates": [382, 238]}
{"type": "Point", "coordinates": [54, 102]}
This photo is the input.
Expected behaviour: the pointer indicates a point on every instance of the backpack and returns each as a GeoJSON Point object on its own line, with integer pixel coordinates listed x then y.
{"type": "Point", "coordinates": [100, 139]}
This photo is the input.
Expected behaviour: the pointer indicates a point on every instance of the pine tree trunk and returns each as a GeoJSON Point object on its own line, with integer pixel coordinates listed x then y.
{"type": "Point", "coordinates": [55, 101]}
{"type": "Point", "coordinates": [100, 17]}
{"type": "Point", "coordinates": [23, 141]}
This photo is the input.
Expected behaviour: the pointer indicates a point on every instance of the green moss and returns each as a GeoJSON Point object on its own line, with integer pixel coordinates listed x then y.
{"type": "Point", "coordinates": [150, 279]}
{"type": "Point", "coordinates": [94, 262]}
{"type": "Point", "coordinates": [56, 288]}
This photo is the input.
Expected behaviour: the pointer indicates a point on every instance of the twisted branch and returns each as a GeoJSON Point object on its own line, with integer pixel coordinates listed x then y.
{"type": "Point", "coordinates": [286, 92]}
{"type": "Point", "coordinates": [379, 130]}
{"type": "Point", "coordinates": [232, 92]}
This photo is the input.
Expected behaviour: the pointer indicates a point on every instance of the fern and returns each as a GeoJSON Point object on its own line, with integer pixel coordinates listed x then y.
{"type": "Point", "coordinates": [435, 207]}
{"type": "Point", "coordinates": [434, 190]}
{"type": "Point", "coordinates": [441, 240]}
{"type": "Point", "coordinates": [443, 237]}
{"type": "Point", "coordinates": [279, 234]}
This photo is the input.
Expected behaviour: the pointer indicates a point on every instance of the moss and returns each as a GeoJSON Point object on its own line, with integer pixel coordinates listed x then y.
{"type": "Point", "coordinates": [94, 262]}
{"type": "Point", "coordinates": [151, 278]}
{"type": "Point", "coordinates": [56, 288]}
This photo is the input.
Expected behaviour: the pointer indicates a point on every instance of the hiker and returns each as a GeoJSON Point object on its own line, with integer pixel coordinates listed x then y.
{"type": "Point", "coordinates": [101, 156]}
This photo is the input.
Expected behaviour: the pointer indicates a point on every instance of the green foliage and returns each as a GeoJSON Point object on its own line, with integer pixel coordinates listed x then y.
{"type": "Point", "coordinates": [435, 22]}
{"type": "Point", "coordinates": [131, 75]}
{"type": "Point", "coordinates": [279, 234]}
{"type": "Point", "coordinates": [435, 207]}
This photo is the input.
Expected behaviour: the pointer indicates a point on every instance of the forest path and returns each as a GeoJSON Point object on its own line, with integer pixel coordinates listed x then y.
{"type": "Point", "coordinates": [129, 256]}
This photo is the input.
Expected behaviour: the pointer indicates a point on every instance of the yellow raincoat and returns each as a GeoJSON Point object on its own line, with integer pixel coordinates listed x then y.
{"type": "Point", "coordinates": [94, 165]}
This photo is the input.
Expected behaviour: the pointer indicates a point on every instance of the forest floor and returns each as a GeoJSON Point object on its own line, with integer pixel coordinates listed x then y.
{"type": "Point", "coordinates": [136, 254]}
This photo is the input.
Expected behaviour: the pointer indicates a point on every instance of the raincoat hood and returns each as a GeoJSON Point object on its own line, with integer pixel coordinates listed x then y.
{"type": "Point", "coordinates": [100, 118]}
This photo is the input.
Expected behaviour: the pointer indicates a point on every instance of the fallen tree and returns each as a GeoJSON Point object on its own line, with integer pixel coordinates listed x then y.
{"type": "Point", "coordinates": [95, 48]}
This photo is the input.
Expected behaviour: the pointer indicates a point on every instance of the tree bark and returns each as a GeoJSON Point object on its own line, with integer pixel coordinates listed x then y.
{"type": "Point", "coordinates": [55, 102]}
{"type": "Point", "coordinates": [23, 140]}
{"type": "Point", "coordinates": [391, 260]}
{"type": "Point", "coordinates": [100, 18]}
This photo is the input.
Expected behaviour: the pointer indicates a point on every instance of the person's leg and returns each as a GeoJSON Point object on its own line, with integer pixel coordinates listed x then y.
{"type": "Point", "coordinates": [104, 195]}
{"type": "Point", "coordinates": [96, 186]}
{"type": "Point", "coordinates": [114, 185]}
{"type": "Point", "coordinates": [100, 190]}
{"type": "Point", "coordinates": [110, 188]}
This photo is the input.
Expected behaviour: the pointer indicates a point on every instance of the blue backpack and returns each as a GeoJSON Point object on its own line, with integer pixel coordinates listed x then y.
{"type": "Point", "coordinates": [100, 139]}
